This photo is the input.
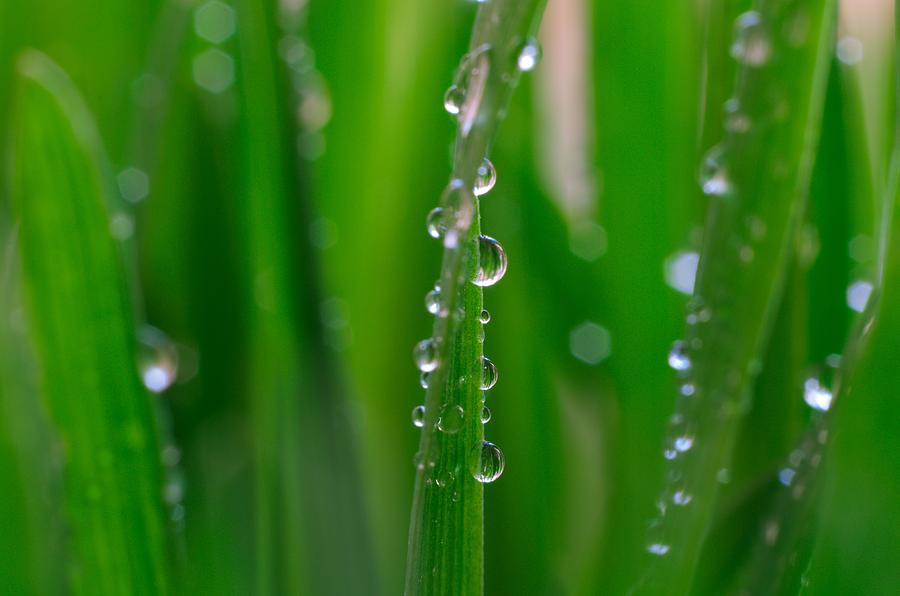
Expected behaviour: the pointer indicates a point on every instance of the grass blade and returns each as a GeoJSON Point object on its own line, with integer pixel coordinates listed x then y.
{"type": "Point", "coordinates": [757, 179]}
{"type": "Point", "coordinates": [79, 315]}
{"type": "Point", "coordinates": [446, 536]}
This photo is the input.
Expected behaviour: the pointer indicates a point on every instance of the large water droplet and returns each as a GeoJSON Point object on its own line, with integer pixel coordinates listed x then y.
{"type": "Point", "coordinates": [529, 55]}
{"type": "Point", "coordinates": [713, 174]}
{"type": "Point", "coordinates": [485, 178]}
{"type": "Point", "coordinates": [463, 97]}
{"type": "Point", "coordinates": [451, 419]}
{"type": "Point", "coordinates": [425, 355]}
{"type": "Point", "coordinates": [751, 45]}
{"type": "Point", "coordinates": [418, 416]}
{"type": "Point", "coordinates": [491, 262]}
{"type": "Point", "coordinates": [489, 373]}
{"type": "Point", "coordinates": [487, 462]}
{"type": "Point", "coordinates": [678, 357]}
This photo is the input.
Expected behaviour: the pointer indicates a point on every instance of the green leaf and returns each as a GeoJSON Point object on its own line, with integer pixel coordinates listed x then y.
{"type": "Point", "coordinates": [446, 537]}
{"type": "Point", "coordinates": [757, 179]}
{"type": "Point", "coordinates": [78, 313]}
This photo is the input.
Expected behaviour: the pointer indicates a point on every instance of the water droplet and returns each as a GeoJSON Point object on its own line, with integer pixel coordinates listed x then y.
{"type": "Point", "coordinates": [435, 223]}
{"type": "Point", "coordinates": [487, 462]}
{"type": "Point", "coordinates": [713, 175]}
{"type": "Point", "coordinates": [678, 357]}
{"type": "Point", "coordinates": [683, 443]}
{"type": "Point", "coordinates": [434, 302]}
{"type": "Point", "coordinates": [451, 419]}
{"type": "Point", "coordinates": [670, 454]}
{"type": "Point", "coordinates": [529, 55]}
{"type": "Point", "coordinates": [453, 100]}
{"type": "Point", "coordinates": [489, 373]}
{"type": "Point", "coordinates": [425, 355]}
{"type": "Point", "coordinates": [445, 479]}
{"type": "Point", "coordinates": [657, 549]}
{"type": "Point", "coordinates": [485, 415]}
{"type": "Point", "coordinates": [816, 396]}
{"type": "Point", "coordinates": [418, 416]}
{"type": "Point", "coordinates": [157, 360]}
{"type": "Point", "coordinates": [491, 262]}
{"type": "Point", "coordinates": [736, 120]}
{"type": "Point", "coordinates": [751, 44]}
{"type": "Point", "coordinates": [687, 389]}
{"type": "Point", "coordinates": [858, 294]}
{"type": "Point", "coordinates": [485, 317]}
{"type": "Point", "coordinates": [424, 379]}
{"type": "Point", "coordinates": [786, 476]}
{"type": "Point", "coordinates": [485, 178]}
{"type": "Point", "coordinates": [681, 498]}
{"type": "Point", "coordinates": [681, 271]}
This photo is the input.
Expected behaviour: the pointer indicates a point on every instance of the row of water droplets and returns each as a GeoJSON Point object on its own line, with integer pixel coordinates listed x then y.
{"type": "Point", "coordinates": [752, 47]}
{"type": "Point", "coordinates": [449, 222]}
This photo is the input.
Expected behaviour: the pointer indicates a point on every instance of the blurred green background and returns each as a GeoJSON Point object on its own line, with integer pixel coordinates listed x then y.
{"type": "Point", "coordinates": [273, 166]}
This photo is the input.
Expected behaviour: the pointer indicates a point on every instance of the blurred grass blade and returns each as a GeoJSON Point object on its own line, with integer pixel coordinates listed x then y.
{"type": "Point", "coordinates": [446, 537]}
{"type": "Point", "coordinates": [757, 179]}
{"type": "Point", "coordinates": [308, 495]}
{"type": "Point", "coordinates": [78, 312]}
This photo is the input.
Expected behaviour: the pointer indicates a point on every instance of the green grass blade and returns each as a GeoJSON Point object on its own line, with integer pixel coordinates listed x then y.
{"type": "Point", "coordinates": [446, 537]}
{"type": "Point", "coordinates": [79, 317]}
{"type": "Point", "coordinates": [757, 185]}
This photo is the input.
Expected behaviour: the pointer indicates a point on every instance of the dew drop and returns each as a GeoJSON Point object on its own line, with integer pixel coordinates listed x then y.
{"type": "Point", "coordinates": [683, 443]}
{"type": "Point", "coordinates": [453, 100]}
{"type": "Point", "coordinates": [713, 175]}
{"type": "Point", "coordinates": [485, 415]}
{"type": "Point", "coordinates": [426, 356]}
{"type": "Point", "coordinates": [817, 396]}
{"type": "Point", "coordinates": [418, 416]}
{"type": "Point", "coordinates": [687, 389]}
{"type": "Point", "coordinates": [158, 359]}
{"type": "Point", "coordinates": [681, 498]}
{"type": "Point", "coordinates": [736, 120]}
{"type": "Point", "coordinates": [657, 549]}
{"type": "Point", "coordinates": [425, 379]}
{"type": "Point", "coordinates": [445, 479]}
{"type": "Point", "coordinates": [487, 462]}
{"type": "Point", "coordinates": [485, 317]}
{"type": "Point", "coordinates": [491, 262]}
{"type": "Point", "coordinates": [751, 44]}
{"type": "Point", "coordinates": [434, 303]}
{"type": "Point", "coordinates": [485, 178]}
{"type": "Point", "coordinates": [435, 223]}
{"type": "Point", "coordinates": [678, 357]}
{"type": "Point", "coordinates": [529, 55]}
{"type": "Point", "coordinates": [489, 373]}
{"type": "Point", "coordinates": [451, 419]}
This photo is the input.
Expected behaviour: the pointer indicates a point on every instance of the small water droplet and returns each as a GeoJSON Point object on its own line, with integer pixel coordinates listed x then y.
{"type": "Point", "coordinates": [751, 45]}
{"type": "Point", "coordinates": [453, 100]}
{"type": "Point", "coordinates": [485, 317]}
{"type": "Point", "coordinates": [687, 389]}
{"type": "Point", "coordinates": [670, 454]}
{"type": "Point", "coordinates": [158, 359]}
{"type": "Point", "coordinates": [434, 303]}
{"type": "Point", "coordinates": [425, 355]}
{"type": "Point", "coordinates": [489, 374]}
{"type": "Point", "coordinates": [485, 178]}
{"type": "Point", "coordinates": [451, 419]}
{"type": "Point", "coordinates": [681, 498]}
{"type": "Point", "coordinates": [434, 223]}
{"type": "Point", "coordinates": [487, 462]}
{"type": "Point", "coordinates": [736, 120]}
{"type": "Point", "coordinates": [816, 396]}
{"type": "Point", "coordinates": [445, 479]}
{"type": "Point", "coordinates": [713, 174]}
{"type": "Point", "coordinates": [529, 55]}
{"type": "Point", "coordinates": [678, 357]}
{"type": "Point", "coordinates": [683, 443]}
{"type": "Point", "coordinates": [657, 549]}
{"type": "Point", "coordinates": [485, 415]}
{"type": "Point", "coordinates": [491, 262]}
{"type": "Point", "coordinates": [418, 416]}
{"type": "Point", "coordinates": [424, 379]}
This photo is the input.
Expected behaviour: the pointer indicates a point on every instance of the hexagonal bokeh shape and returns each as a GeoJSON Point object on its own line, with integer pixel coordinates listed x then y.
{"type": "Point", "coordinates": [214, 21]}
{"type": "Point", "coordinates": [214, 70]}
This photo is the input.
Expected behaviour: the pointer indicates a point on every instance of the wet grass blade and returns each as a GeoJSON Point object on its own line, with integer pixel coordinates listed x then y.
{"type": "Point", "coordinates": [78, 312]}
{"type": "Point", "coordinates": [757, 180]}
{"type": "Point", "coordinates": [446, 537]}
